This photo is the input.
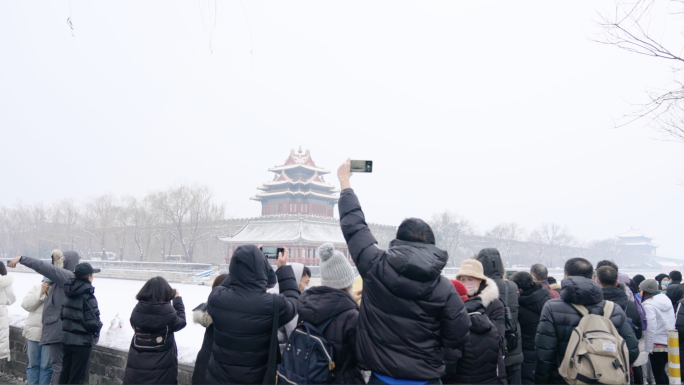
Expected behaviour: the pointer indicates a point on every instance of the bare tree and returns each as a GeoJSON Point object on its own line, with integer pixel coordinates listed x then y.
{"type": "Point", "coordinates": [450, 231]}
{"type": "Point", "coordinates": [551, 239]}
{"type": "Point", "coordinates": [651, 28]}
{"type": "Point", "coordinates": [506, 236]}
{"type": "Point", "coordinates": [192, 214]}
{"type": "Point", "coordinates": [142, 224]}
{"type": "Point", "coordinates": [99, 220]}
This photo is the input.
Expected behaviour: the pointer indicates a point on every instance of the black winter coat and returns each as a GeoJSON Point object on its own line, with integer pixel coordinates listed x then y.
{"type": "Point", "coordinates": [679, 324]}
{"type": "Point", "coordinates": [80, 315]}
{"type": "Point", "coordinates": [494, 269]}
{"type": "Point", "coordinates": [531, 302]}
{"type": "Point", "coordinates": [409, 310]}
{"type": "Point", "coordinates": [481, 359]}
{"type": "Point", "coordinates": [153, 356]}
{"type": "Point", "coordinates": [558, 320]}
{"type": "Point", "coordinates": [321, 303]}
{"type": "Point", "coordinates": [242, 312]}
{"type": "Point", "coordinates": [617, 295]}
{"type": "Point", "coordinates": [200, 316]}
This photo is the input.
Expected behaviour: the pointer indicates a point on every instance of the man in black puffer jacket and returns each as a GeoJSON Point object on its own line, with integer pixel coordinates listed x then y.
{"type": "Point", "coordinates": [494, 269]}
{"type": "Point", "coordinates": [607, 277]}
{"type": "Point", "coordinates": [409, 310]}
{"type": "Point", "coordinates": [559, 319]}
{"type": "Point", "coordinates": [242, 314]}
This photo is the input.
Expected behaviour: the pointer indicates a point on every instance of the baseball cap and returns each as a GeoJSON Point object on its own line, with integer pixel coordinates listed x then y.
{"type": "Point", "coordinates": [85, 269]}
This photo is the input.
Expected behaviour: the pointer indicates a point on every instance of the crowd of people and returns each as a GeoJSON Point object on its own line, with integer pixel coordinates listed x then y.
{"type": "Point", "coordinates": [400, 321]}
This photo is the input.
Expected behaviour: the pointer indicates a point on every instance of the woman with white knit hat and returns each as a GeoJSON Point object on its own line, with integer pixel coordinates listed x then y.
{"type": "Point", "coordinates": [334, 299]}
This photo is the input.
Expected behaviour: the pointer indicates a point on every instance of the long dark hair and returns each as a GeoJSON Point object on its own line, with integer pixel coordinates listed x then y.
{"type": "Point", "coordinates": [524, 281]}
{"type": "Point", "coordinates": [156, 290]}
{"type": "Point", "coordinates": [3, 269]}
{"type": "Point", "coordinates": [219, 280]}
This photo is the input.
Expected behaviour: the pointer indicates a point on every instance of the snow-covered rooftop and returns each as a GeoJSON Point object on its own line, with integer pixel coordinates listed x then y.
{"type": "Point", "coordinates": [633, 233]}
{"type": "Point", "coordinates": [288, 229]}
{"type": "Point", "coordinates": [258, 196]}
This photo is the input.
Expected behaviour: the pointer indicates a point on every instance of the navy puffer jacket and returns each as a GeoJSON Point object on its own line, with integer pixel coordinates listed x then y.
{"type": "Point", "coordinates": [559, 318]}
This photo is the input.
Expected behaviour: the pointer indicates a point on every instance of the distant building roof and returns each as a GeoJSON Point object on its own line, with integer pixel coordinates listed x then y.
{"type": "Point", "coordinates": [288, 228]}
{"type": "Point", "coordinates": [633, 233]}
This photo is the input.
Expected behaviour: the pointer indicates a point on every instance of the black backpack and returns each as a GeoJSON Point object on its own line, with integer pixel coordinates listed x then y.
{"type": "Point", "coordinates": [308, 356]}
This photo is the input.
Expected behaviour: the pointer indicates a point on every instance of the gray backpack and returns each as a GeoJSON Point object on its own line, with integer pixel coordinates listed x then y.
{"type": "Point", "coordinates": [596, 354]}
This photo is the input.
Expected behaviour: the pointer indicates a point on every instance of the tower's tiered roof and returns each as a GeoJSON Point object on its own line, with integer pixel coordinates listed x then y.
{"type": "Point", "coordinates": [634, 237]}
{"type": "Point", "coordinates": [298, 177]}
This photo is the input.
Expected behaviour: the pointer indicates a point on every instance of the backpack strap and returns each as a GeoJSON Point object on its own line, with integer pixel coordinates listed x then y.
{"type": "Point", "coordinates": [271, 370]}
{"type": "Point", "coordinates": [321, 327]}
{"type": "Point", "coordinates": [608, 308]}
{"type": "Point", "coordinates": [581, 309]}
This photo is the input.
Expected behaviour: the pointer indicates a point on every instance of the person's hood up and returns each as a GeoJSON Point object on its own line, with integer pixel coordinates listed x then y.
{"type": "Point", "coordinates": [416, 269]}
{"type": "Point", "coordinates": [5, 280]}
{"type": "Point", "coordinates": [247, 269]}
{"type": "Point", "coordinates": [421, 262]}
{"type": "Point", "coordinates": [624, 278]}
{"type": "Point", "coordinates": [320, 303]}
{"type": "Point", "coordinates": [661, 302]}
{"type": "Point", "coordinates": [491, 263]}
{"type": "Point", "coordinates": [489, 293]}
{"type": "Point", "coordinates": [617, 295]}
{"type": "Point", "coordinates": [298, 269]}
{"type": "Point", "coordinates": [479, 323]}
{"type": "Point", "coordinates": [581, 291]}
{"type": "Point", "coordinates": [675, 293]}
{"type": "Point", "coordinates": [76, 287]}
{"type": "Point", "coordinates": [534, 298]}
{"type": "Point", "coordinates": [71, 259]}
{"type": "Point", "coordinates": [201, 316]}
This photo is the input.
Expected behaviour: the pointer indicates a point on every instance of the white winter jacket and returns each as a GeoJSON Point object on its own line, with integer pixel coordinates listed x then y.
{"type": "Point", "coordinates": [33, 303]}
{"type": "Point", "coordinates": [6, 298]}
{"type": "Point", "coordinates": [660, 317]}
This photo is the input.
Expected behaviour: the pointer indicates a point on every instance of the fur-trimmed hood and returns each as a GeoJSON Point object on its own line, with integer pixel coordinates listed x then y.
{"type": "Point", "coordinates": [489, 293]}
{"type": "Point", "coordinates": [200, 315]}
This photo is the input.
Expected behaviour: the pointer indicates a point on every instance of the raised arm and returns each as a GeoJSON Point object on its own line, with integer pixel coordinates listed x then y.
{"type": "Point", "coordinates": [34, 299]}
{"type": "Point", "coordinates": [57, 275]}
{"type": "Point", "coordinates": [178, 323]}
{"type": "Point", "coordinates": [360, 241]}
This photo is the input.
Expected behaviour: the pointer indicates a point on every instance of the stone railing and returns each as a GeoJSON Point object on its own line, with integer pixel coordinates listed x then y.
{"type": "Point", "coordinates": [105, 367]}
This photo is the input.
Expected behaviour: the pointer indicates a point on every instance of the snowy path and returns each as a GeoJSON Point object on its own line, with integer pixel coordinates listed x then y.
{"type": "Point", "coordinates": [117, 296]}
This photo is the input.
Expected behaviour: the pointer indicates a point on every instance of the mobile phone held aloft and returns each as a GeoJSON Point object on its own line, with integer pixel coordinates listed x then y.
{"type": "Point", "coordinates": [272, 252]}
{"type": "Point", "coordinates": [361, 166]}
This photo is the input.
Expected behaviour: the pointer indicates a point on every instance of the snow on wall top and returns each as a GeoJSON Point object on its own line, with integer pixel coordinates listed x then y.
{"type": "Point", "coordinates": [288, 229]}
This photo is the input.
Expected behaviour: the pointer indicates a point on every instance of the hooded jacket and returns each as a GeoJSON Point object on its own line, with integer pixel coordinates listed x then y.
{"type": "Point", "coordinates": [6, 298]}
{"type": "Point", "coordinates": [321, 303]}
{"type": "Point", "coordinates": [153, 356]}
{"type": "Point", "coordinates": [679, 324]}
{"type": "Point", "coordinates": [481, 359]}
{"type": "Point", "coordinates": [675, 292]}
{"type": "Point", "coordinates": [559, 318]}
{"type": "Point", "coordinates": [660, 317]}
{"type": "Point", "coordinates": [617, 295]}
{"type": "Point", "coordinates": [409, 311]}
{"type": "Point", "coordinates": [531, 303]}
{"type": "Point", "coordinates": [285, 331]}
{"type": "Point", "coordinates": [494, 269]}
{"type": "Point", "coordinates": [200, 316]}
{"type": "Point", "coordinates": [242, 314]}
{"type": "Point", "coordinates": [33, 303]}
{"type": "Point", "coordinates": [80, 315]}
{"type": "Point", "coordinates": [59, 272]}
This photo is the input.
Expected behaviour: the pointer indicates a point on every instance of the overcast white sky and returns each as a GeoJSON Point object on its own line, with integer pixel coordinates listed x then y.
{"type": "Point", "coordinates": [498, 110]}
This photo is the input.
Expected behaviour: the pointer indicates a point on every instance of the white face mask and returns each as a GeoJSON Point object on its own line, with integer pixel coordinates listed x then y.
{"type": "Point", "coordinates": [472, 287]}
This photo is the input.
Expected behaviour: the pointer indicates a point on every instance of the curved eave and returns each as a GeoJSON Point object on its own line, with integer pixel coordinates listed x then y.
{"type": "Point", "coordinates": [321, 171]}
{"type": "Point", "coordinates": [268, 185]}
{"type": "Point", "coordinates": [259, 197]}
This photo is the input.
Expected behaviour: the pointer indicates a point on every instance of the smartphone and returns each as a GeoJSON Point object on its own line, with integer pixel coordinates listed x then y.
{"type": "Point", "coordinates": [272, 252]}
{"type": "Point", "coordinates": [361, 166]}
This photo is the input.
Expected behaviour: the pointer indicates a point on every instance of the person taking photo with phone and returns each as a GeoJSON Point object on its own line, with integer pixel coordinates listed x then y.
{"type": "Point", "coordinates": [153, 356]}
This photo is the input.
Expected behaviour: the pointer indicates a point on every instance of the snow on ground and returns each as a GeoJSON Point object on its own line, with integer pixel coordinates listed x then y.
{"type": "Point", "coordinates": [117, 296]}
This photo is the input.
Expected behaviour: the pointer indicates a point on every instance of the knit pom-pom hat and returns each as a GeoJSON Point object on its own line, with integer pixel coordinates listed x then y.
{"type": "Point", "coordinates": [460, 289]}
{"type": "Point", "coordinates": [336, 272]}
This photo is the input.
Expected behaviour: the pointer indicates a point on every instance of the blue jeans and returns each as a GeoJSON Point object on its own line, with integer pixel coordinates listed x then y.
{"type": "Point", "coordinates": [38, 371]}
